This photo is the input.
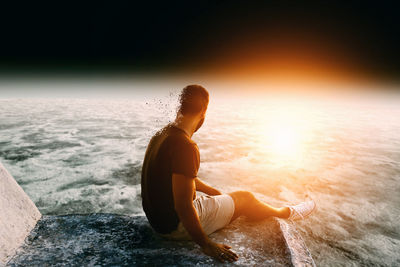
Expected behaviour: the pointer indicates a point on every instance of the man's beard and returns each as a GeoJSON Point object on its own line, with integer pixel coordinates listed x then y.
{"type": "Point", "coordinates": [199, 124]}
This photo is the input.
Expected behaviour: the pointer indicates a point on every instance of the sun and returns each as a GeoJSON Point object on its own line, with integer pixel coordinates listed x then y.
{"type": "Point", "coordinates": [282, 138]}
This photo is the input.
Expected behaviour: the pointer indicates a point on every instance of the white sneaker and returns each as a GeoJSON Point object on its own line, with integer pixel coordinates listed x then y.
{"type": "Point", "coordinates": [302, 210]}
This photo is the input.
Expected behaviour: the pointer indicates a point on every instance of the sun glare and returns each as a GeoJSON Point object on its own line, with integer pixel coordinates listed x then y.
{"type": "Point", "coordinates": [283, 136]}
{"type": "Point", "coordinates": [284, 139]}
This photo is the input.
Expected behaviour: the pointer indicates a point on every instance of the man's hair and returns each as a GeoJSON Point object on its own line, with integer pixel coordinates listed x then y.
{"type": "Point", "coordinates": [193, 99]}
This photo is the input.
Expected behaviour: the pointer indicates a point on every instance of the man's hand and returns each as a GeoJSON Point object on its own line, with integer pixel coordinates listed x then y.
{"type": "Point", "coordinates": [206, 188]}
{"type": "Point", "coordinates": [217, 192]}
{"type": "Point", "coordinates": [220, 252]}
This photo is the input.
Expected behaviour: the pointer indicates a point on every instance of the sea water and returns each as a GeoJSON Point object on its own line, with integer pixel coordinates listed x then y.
{"type": "Point", "coordinates": [78, 156]}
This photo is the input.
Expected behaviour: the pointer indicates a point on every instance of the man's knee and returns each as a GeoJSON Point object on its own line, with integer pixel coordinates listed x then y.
{"type": "Point", "coordinates": [242, 197]}
{"type": "Point", "coordinates": [247, 195]}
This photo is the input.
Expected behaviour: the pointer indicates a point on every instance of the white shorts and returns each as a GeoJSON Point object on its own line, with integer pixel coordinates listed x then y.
{"type": "Point", "coordinates": [215, 212]}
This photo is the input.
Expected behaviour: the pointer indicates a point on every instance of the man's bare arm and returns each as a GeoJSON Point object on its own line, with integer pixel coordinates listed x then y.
{"type": "Point", "coordinates": [183, 188]}
{"type": "Point", "coordinates": [206, 188]}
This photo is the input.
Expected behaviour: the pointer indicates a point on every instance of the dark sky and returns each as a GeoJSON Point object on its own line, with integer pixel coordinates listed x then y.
{"type": "Point", "coordinates": [153, 37]}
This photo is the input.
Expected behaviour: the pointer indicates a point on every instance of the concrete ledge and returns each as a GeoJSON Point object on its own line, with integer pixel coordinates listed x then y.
{"type": "Point", "coordinates": [28, 239]}
{"type": "Point", "coordinates": [298, 251]}
{"type": "Point", "coordinates": [18, 215]}
{"type": "Point", "coordinates": [119, 240]}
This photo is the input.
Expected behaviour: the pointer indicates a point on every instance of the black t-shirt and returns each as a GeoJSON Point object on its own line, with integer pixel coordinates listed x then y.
{"type": "Point", "coordinates": [170, 151]}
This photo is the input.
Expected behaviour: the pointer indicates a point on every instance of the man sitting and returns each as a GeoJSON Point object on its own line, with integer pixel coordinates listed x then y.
{"type": "Point", "coordinates": [169, 183]}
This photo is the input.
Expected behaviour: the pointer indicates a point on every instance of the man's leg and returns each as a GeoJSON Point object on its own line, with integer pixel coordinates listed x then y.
{"type": "Point", "coordinates": [246, 204]}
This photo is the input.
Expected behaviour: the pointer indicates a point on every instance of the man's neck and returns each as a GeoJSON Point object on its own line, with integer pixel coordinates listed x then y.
{"type": "Point", "coordinates": [183, 125]}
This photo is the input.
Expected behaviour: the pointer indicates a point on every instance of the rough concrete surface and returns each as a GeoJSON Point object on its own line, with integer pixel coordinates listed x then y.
{"type": "Point", "coordinates": [299, 253]}
{"type": "Point", "coordinates": [119, 240]}
{"type": "Point", "coordinates": [28, 239]}
{"type": "Point", "coordinates": [18, 215]}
